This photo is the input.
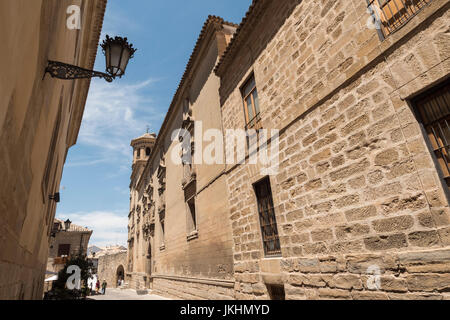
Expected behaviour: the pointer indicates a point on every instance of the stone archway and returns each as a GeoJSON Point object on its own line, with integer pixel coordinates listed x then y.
{"type": "Point", "coordinates": [120, 275]}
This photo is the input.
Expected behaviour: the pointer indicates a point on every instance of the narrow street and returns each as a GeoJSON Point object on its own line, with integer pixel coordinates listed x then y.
{"type": "Point", "coordinates": [125, 294]}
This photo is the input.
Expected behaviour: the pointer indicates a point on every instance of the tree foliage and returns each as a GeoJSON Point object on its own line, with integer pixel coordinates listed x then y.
{"type": "Point", "coordinates": [60, 291]}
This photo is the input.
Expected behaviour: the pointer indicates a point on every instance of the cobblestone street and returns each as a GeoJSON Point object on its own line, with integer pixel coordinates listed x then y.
{"type": "Point", "coordinates": [126, 294]}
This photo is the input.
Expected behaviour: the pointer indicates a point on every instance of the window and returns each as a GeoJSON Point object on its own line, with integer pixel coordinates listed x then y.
{"type": "Point", "coordinates": [56, 227]}
{"type": "Point", "coordinates": [393, 14]}
{"type": "Point", "coordinates": [64, 250]}
{"type": "Point", "coordinates": [191, 219]}
{"type": "Point", "coordinates": [433, 110]}
{"type": "Point", "coordinates": [251, 104]}
{"type": "Point", "coordinates": [163, 235]}
{"type": "Point", "coordinates": [269, 231]}
{"type": "Point", "coordinates": [162, 198]}
{"type": "Point", "coordinates": [190, 191]}
{"type": "Point", "coordinates": [138, 153]}
{"type": "Point", "coordinates": [147, 151]}
{"type": "Point", "coordinates": [276, 292]}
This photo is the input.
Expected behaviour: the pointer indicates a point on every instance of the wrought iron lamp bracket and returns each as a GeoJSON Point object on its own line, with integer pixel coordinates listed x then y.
{"type": "Point", "coordinates": [66, 71]}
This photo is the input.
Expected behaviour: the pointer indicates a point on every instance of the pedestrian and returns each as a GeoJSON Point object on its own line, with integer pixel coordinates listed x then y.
{"type": "Point", "coordinates": [104, 284]}
{"type": "Point", "coordinates": [97, 286]}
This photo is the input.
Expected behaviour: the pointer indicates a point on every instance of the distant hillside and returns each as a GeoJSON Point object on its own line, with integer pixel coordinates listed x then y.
{"type": "Point", "coordinates": [93, 249]}
{"type": "Point", "coordinates": [101, 251]}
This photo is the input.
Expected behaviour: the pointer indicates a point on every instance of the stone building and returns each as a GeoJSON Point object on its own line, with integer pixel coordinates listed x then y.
{"type": "Point", "coordinates": [94, 254]}
{"type": "Point", "coordinates": [112, 265]}
{"type": "Point", "coordinates": [357, 206]}
{"type": "Point", "coordinates": [39, 121]}
{"type": "Point", "coordinates": [66, 240]}
{"type": "Point", "coordinates": [180, 240]}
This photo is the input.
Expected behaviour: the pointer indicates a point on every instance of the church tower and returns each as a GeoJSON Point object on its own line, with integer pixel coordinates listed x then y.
{"type": "Point", "coordinates": [142, 150]}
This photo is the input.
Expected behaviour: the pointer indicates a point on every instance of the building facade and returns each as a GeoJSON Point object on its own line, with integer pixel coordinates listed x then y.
{"type": "Point", "coordinates": [180, 240]}
{"type": "Point", "coordinates": [111, 266]}
{"type": "Point", "coordinates": [39, 121]}
{"type": "Point", "coordinates": [66, 240]}
{"type": "Point", "coordinates": [353, 203]}
{"type": "Point", "coordinates": [358, 208]}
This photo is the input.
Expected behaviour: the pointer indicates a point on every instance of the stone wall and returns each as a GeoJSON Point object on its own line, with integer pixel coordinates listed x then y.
{"type": "Point", "coordinates": [420, 275]}
{"type": "Point", "coordinates": [109, 264]}
{"type": "Point", "coordinates": [194, 288]}
{"type": "Point", "coordinates": [357, 185]}
{"type": "Point", "coordinates": [39, 121]}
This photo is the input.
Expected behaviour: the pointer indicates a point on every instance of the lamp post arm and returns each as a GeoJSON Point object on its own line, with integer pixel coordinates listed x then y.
{"type": "Point", "coordinates": [66, 71]}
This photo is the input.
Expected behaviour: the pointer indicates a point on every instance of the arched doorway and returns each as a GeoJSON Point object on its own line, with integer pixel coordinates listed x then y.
{"type": "Point", "coordinates": [120, 275]}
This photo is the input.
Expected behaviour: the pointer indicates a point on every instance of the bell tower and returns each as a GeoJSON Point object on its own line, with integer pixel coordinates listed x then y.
{"type": "Point", "coordinates": [142, 148]}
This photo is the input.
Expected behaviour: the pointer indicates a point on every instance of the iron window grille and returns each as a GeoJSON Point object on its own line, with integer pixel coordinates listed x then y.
{"type": "Point", "coordinates": [433, 110]}
{"type": "Point", "coordinates": [391, 15]}
{"type": "Point", "coordinates": [267, 218]}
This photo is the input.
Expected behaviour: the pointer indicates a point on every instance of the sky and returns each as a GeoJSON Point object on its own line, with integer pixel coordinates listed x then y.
{"type": "Point", "coordinates": [96, 177]}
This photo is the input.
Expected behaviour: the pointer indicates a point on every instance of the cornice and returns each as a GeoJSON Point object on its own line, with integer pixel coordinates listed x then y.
{"type": "Point", "coordinates": [94, 13]}
{"type": "Point", "coordinates": [243, 30]}
{"type": "Point", "coordinates": [212, 25]}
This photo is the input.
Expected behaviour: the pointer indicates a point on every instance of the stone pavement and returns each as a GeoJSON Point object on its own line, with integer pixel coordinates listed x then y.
{"type": "Point", "coordinates": [125, 294]}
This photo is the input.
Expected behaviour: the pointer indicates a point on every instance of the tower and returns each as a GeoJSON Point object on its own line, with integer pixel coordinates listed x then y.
{"type": "Point", "coordinates": [142, 148]}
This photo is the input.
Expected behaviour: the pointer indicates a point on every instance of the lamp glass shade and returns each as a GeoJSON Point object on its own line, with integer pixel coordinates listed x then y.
{"type": "Point", "coordinates": [117, 52]}
{"type": "Point", "coordinates": [126, 53]}
{"type": "Point", "coordinates": [116, 57]}
{"type": "Point", "coordinates": [67, 224]}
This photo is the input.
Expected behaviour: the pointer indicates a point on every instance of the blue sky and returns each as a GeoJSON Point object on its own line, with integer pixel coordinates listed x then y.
{"type": "Point", "coordinates": [94, 188]}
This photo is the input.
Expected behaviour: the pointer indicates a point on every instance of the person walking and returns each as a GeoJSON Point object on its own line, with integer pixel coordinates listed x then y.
{"type": "Point", "coordinates": [104, 284]}
{"type": "Point", "coordinates": [97, 286]}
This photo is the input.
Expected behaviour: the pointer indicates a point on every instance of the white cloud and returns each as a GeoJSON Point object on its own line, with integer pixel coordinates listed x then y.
{"type": "Point", "coordinates": [115, 113]}
{"type": "Point", "coordinates": [85, 163]}
{"type": "Point", "coordinates": [110, 228]}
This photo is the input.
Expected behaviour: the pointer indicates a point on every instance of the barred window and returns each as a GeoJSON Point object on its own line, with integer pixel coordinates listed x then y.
{"type": "Point", "coordinates": [393, 14]}
{"type": "Point", "coordinates": [269, 229]}
{"type": "Point", "coordinates": [433, 110]}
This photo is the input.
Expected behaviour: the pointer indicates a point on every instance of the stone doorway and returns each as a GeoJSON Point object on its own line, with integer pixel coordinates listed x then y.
{"type": "Point", "coordinates": [120, 276]}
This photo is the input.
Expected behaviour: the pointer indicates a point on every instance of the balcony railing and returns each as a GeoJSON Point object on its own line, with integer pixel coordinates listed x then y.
{"type": "Point", "coordinates": [391, 15]}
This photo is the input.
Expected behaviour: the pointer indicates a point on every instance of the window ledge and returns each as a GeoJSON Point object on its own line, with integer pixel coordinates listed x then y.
{"type": "Point", "coordinates": [192, 236]}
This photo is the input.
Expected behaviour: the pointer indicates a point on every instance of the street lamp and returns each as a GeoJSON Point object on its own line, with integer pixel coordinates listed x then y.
{"type": "Point", "coordinates": [67, 224]}
{"type": "Point", "coordinates": [118, 53]}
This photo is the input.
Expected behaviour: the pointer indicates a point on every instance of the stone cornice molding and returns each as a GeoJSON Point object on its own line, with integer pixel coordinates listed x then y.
{"type": "Point", "coordinates": [93, 15]}
{"type": "Point", "coordinates": [213, 27]}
